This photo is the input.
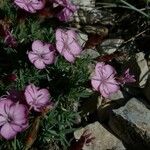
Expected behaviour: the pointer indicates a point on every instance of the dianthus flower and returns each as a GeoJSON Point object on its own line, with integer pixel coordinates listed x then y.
{"type": "Point", "coordinates": [67, 44]}
{"type": "Point", "coordinates": [42, 54]}
{"type": "Point", "coordinates": [37, 98]}
{"type": "Point", "coordinates": [103, 80]}
{"type": "Point", "coordinates": [30, 5]}
{"type": "Point", "coordinates": [13, 118]}
{"type": "Point", "coordinates": [127, 77]}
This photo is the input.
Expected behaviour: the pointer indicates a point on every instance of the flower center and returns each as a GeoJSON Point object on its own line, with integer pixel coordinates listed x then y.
{"type": "Point", "coordinates": [9, 119]}
{"type": "Point", "coordinates": [66, 46]}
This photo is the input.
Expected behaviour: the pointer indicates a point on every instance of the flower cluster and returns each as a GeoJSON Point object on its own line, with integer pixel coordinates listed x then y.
{"type": "Point", "coordinates": [14, 112]}
{"type": "Point", "coordinates": [67, 45]}
{"type": "Point", "coordinates": [16, 106]}
{"type": "Point", "coordinates": [43, 54]}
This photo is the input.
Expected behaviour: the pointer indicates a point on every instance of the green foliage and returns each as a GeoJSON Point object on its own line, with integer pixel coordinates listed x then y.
{"type": "Point", "coordinates": [55, 126]}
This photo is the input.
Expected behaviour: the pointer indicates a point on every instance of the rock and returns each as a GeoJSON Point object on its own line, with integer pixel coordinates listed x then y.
{"type": "Point", "coordinates": [117, 96]}
{"type": "Point", "coordinates": [82, 38]}
{"type": "Point", "coordinates": [109, 46]}
{"type": "Point", "coordinates": [104, 140]}
{"type": "Point", "coordinates": [132, 124]}
{"type": "Point", "coordinates": [88, 14]}
{"type": "Point", "coordinates": [90, 52]}
{"type": "Point", "coordinates": [87, 5]}
{"type": "Point", "coordinates": [142, 63]}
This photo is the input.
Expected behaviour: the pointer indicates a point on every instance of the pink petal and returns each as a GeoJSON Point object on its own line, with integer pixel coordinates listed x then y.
{"type": "Point", "coordinates": [95, 84]}
{"type": "Point", "coordinates": [72, 36]}
{"type": "Point", "coordinates": [31, 93]}
{"type": "Point", "coordinates": [75, 48]}
{"type": "Point", "coordinates": [108, 71]}
{"type": "Point", "coordinates": [38, 4]}
{"type": "Point", "coordinates": [37, 46]}
{"type": "Point", "coordinates": [5, 106]}
{"type": "Point", "coordinates": [30, 6]}
{"type": "Point", "coordinates": [19, 127]}
{"type": "Point", "coordinates": [112, 85]}
{"type": "Point", "coordinates": [109, 87]}
{"type": "Point", "coordinates": [39, 64]}
{"type": "Point", "coordinates": [2, 120]}
{"type": "Point", "coordinates": [65, 14]}
{"type": "Point", "coordinates": [46, 48]}
{"type": "Point", "coordinates": [43, 96]}
{"type": "Point", "coordinates": [31, 9]}
{"type": "Point", "coordinates": [73, 7]}
{"type": "Point", "coordinates": [104, 90]}
{"type": "Point", "coordinates": [59, 46]}
{"type": "Point", "coordinates": [16, 128]}
{"type": "Point", "coordinates": [2, 110]}
{"type": "Point", "coordinates": [33, 56]}
{"type": "Point", "coordinates": [127, 71]}
{"type": "Point", "coordinates": [20, 112]}
{"type": "Point", "coordinates": [68, 56]}
{"type": "Point", "coordinates": [60, 34]}
{"type": "Point", "coordinates": [21, 4]}
{"type": "Point", "coordinates": [98, 69]}
{"type": "Point", "coordinates": [7, 132]}
{"type": "Point", "coordinates": [49, 58]}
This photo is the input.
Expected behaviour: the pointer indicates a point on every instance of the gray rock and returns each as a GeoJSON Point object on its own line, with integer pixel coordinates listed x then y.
{"type": "Point", "coordinates": [82, 38]}
{"type": "Point", "coordinates": [90, 52]}
{"type": "Point", "coordinates": [111, 45]}
{"type": "Point", "coordinates": [117, 96]}
{"type": "Point", "coordinates": [104, 140]}
{"type": "Point", "coordinates": [142, 63]}
{"type": "Point", "coordinates": [88, 4]}
{"type": "Point", "coordinates": [132, 124]}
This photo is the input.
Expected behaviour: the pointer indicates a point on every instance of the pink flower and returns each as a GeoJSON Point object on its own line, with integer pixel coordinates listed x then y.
{"type": "Point", "coordinates": [67, 44]}
{"type": "Point", "coordinates": [13, 118]}
{"type": "Point", "coordinates": [30, 5]}
{"type": "Point", "coordinates": [104, 81]}
{"type": "Point", "coordinates": [42, 54]}
{"type": "Point", "coordinates": [37, 98]}
{"type": "Point", "coordinates": [68, 9]}
{"type": "Point", "coordinates": [127, 78]}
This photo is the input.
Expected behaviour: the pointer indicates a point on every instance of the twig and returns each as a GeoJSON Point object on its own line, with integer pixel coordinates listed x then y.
{"type": "Point", "coordinates": [134, 37]}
